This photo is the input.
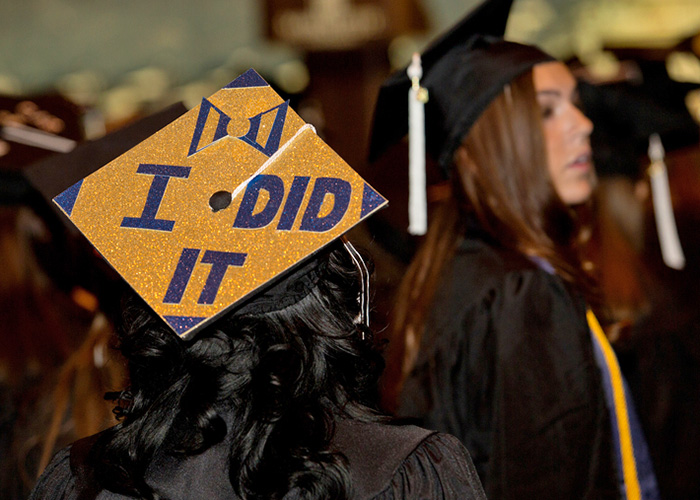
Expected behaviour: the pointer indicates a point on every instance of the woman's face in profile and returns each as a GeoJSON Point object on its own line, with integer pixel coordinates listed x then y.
{"type": "Point", "coordinates": [566, 131]}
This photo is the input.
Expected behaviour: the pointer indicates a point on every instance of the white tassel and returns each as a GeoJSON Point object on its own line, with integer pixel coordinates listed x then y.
{"type": "Point", "coordinates": [417, 199]}
{"type": "Point", "coordinates": [671, 249]}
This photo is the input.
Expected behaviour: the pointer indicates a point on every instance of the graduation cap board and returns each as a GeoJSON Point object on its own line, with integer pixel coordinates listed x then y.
{"type": "Point", "coordinates": [219, 203]}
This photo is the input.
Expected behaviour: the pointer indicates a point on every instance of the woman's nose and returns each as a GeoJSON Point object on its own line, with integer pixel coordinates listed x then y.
{"type": "Point", "coordinates": [581, 122]}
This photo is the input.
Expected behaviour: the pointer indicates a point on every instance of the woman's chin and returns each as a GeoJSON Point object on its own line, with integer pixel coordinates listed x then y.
{"type": "Point", "coordinates": [577, 194]}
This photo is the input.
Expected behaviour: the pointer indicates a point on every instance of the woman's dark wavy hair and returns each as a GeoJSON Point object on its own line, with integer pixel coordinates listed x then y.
{"type": "Point", "coordinates": [280, 378]}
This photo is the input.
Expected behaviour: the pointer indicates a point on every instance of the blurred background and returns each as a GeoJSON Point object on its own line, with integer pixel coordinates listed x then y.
{"type": "Point", "coordinates": [126, 58]}
{"type": "Point", "coordinates": [83, 81]}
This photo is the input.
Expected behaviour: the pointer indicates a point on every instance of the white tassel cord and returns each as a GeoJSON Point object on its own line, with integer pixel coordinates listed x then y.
{"type": "Point", "coordinates": [671, 249]}
{"type": "Point", "coordinates": [271, 159]}
{"type": "Point", "coordinates": [417, 198]}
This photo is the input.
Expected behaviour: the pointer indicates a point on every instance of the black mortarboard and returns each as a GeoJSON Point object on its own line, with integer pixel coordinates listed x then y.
{"type": "Point", "coordinates": [633, 118]}
{"type": "Point", "coordinates": [463, 70]}
{"type": "Point", "coordinates": [625, 113]}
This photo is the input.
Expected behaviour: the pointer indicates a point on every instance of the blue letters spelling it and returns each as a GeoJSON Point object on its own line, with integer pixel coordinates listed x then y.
{"type": "Point", "coordinates": [245, 219]}
{"type": "Point", "coordinates": [273, 139]}
{"type": "Point", "coordinates": [162, 174]}
{"type": "Point", "coordinates": [183, 272]}
{"type": "Point", "coordinates": [341, 191]}
{"type": "Point", "coordinates": [221, 127]}
{"type": "Point", "coordinates": [220, 261]}
{"type": "Point", "coordinates": [291, 206]}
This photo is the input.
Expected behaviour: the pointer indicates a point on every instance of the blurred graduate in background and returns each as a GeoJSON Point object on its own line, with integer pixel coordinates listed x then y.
{"type": "Point", "coordinates": [42, 325]}
{"type": "Point", "coordinates": [55, 360]}
{"type": "Point", "coordinates": [649, 294]}
{"type": "Point", "coordinates": [493, 339]}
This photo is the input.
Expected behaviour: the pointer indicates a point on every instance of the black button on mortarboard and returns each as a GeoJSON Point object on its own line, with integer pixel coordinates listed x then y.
{"type": "Point", "coordinates": [220, 200]}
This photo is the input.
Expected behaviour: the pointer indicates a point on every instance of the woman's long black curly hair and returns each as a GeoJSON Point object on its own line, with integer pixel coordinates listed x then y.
{"type": "Point", "coordinates": [281, 378]}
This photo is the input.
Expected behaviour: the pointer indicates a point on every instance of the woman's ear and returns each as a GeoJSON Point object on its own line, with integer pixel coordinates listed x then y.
{"type": "Point", "coordinates": [463, 161]}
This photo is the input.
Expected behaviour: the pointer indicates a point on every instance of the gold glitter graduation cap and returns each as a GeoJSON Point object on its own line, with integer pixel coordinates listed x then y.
{"type": "Point", "coordinates": [219, 203]}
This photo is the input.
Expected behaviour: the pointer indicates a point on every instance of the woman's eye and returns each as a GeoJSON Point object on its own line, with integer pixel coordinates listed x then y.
{"type": "Point", "coordinates": [547, 111]}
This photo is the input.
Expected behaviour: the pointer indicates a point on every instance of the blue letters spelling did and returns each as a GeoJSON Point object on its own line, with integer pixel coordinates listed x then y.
{"type": "Point", "coordinates": [339, 189]}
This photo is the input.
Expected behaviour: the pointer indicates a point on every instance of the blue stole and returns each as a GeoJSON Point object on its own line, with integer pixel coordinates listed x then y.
{"type": "Point", "coordinates": [635, 471]}
{"type": "Point", "coordinates": [636, 478]}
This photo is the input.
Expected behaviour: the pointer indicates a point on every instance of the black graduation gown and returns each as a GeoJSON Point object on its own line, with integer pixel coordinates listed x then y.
{"type": "Point", "coordinates": [507, 366]}
{"type": "Point", "coordinates": [385, 463]}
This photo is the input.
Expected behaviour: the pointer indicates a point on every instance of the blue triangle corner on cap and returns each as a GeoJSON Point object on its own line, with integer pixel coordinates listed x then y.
{"type": "Point", "coordinates": [371, 200]}
{"type": "Point", "coordinates": [248, 79]}
{"type": "Point", "coordinates": [182, 323]}
{"type": "Point", "coordinates": [66, 200]}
